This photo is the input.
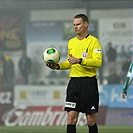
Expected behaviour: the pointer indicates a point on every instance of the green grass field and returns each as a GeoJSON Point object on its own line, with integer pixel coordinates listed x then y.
{"type": "Point", "coordinates": [58, 129]}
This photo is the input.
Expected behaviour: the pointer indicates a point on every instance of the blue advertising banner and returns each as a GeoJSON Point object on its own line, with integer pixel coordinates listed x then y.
{"type": "Point", "coordinates": [111, 96]}
{"type": "Point", "coordinates": [45, 31]}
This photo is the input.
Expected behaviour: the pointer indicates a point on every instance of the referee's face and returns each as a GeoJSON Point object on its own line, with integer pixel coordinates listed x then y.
{"type": "Point", "coordinates": [80, 26]}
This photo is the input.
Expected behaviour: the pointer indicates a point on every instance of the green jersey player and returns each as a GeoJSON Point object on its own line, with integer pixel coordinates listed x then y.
{"type": "Point", "coordinates": [128, 80]}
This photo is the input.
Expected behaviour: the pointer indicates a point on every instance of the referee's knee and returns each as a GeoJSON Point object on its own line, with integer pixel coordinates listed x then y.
{"type": "Point", "coordinates": [72, 118]}
{"type": "Point", "coordinates": [91, 122]}
{"type": "Point", "coordinates": [91, 119]}
{"type": "Point", "coordinates": [71, 121]}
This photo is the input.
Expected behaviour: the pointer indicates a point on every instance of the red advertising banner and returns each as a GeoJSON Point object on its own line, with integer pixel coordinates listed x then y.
{"type": "Point", "coordinates": [38, 116]}
{"type": "Point", "coordinates": [42, 116]}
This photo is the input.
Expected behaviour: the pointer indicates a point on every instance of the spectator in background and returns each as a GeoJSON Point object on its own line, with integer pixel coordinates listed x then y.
{"type": "Point", "coordinates": [25, 65]}
{"type": "Point", "coordinates": [8, 71]}
{"type": "Point", "coordinates": [111, 56]}
{"type": "Point", "coordinates": [111, 53]}
{"type": "Point", "coordinates": [126, 64]}
{"type": "Point", "coordinates": [113, 77]}
{"type": "Point", "coordinates": [125, 67]}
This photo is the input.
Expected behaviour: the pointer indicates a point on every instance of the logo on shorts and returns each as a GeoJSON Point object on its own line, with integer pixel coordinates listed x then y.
{"type": "Point", "coordinates": [92, 108]}
{"type": "Point", "coordinates": [70, 104]}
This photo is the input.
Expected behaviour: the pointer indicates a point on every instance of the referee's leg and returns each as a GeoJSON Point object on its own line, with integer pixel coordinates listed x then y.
{"type": "Point", "coordinates": [91, 119]}
{"type": "Point", "coordinates": [71, 121]}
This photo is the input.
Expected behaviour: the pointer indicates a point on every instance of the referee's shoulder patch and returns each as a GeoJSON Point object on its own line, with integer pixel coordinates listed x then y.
{"type": "Point", "coordinates": [97, 50]}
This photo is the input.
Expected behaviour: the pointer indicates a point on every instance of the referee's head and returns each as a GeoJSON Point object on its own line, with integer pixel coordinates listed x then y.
{"type": "Point", "coordinates": [83, 16]}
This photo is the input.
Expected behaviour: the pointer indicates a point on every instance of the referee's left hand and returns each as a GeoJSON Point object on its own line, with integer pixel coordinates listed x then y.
{"type": "Point", "coordinates": [73, 60]}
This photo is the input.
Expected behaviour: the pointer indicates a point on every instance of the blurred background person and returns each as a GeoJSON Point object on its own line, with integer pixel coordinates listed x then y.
{"type": "Point", "coordinates": [111, 54]}
{"type": "Point", "coordinates": [113, 77]}
{"type": "Point", "coordinates": [125, 67]}
{"type": "Point", "coordinates": [25, 66]}
{"type": "Point", "coordinates": [8, 71]}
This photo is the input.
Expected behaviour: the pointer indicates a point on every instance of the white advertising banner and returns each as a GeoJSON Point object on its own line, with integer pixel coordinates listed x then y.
{"type": "Point", "coordinates": [118, 31]}
{"type": "Point", "coordinates": [39, 96]}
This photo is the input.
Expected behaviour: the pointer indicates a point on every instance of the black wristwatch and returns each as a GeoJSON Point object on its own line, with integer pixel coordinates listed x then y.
{"type": "Point", "coordinates": [80, 61]}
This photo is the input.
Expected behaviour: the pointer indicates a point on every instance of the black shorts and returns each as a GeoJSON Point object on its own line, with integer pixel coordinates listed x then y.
{"type": "Point", "coordinates": [82, 95]}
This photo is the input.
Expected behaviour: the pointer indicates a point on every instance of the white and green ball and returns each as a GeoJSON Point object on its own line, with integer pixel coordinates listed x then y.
{"type": "Point", "coordinates": [51, 55]}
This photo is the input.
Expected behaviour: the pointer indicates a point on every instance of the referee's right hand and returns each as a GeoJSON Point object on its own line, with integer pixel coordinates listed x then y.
{"type": "Point", "coordinates": [53, 66]}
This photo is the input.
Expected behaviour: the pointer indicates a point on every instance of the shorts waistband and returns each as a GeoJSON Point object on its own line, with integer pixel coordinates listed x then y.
{"type": "Point", "coordinates": [82, 77]}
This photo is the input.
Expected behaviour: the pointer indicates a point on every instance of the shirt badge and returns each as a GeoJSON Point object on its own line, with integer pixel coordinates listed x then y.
{"type": "Point", "coordinates": [84, 55]}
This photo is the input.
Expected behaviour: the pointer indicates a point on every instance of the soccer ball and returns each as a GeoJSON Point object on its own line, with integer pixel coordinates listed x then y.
{"type": "Point", "coordinates": [51, 55]}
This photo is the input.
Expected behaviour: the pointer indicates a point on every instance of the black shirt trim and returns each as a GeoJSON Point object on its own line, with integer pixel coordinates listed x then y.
{"type": "Point", "coordinates": [87, 36]}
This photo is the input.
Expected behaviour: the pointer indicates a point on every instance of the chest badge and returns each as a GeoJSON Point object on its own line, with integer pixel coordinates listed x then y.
{"type": "Point", "coordinates": [84, 55]}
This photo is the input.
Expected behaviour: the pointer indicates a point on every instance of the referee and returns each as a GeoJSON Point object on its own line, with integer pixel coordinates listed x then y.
{"type": "Point", "coordinates": [84, 57]}
{"type": "Point", "coordinates": [128, 80]}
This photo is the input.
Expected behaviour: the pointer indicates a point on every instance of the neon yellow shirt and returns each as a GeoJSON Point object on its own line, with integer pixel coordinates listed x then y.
{"type": "Point", "coordinates": [90, 50]}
